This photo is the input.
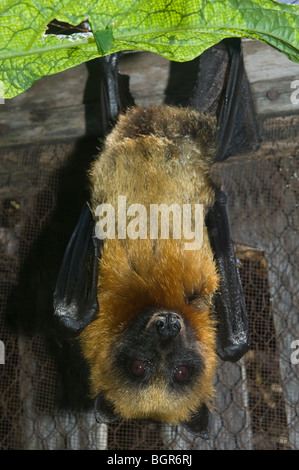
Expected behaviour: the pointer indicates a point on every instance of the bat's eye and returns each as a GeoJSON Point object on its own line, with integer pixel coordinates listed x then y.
{"type": "Point", "coordinates": [138, 368]}
{"type": "Point", "coordinates": [181, 373]}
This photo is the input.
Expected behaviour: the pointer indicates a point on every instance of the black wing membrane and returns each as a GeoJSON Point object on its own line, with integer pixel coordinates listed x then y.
{"type": "Point", "coordinates": [232, 335]}
{"type": "Point", "coordinates": [230, 306]}
{"type": "Point", "coordinates": [237, 129]}
{"type": "Point", "coordinates": [217, 84]}
{"type": "Point", "coordinates": [75, 296]}
{"type": "Point", "coordinates": [199, 423]}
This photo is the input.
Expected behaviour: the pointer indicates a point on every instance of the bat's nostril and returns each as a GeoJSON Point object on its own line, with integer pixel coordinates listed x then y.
{"type": "Point", "coordinates": [161, 323]}
{"type": "Point", "coordinates": [168, 325]}
{"type": "Point", "coordinates": [176, 325]}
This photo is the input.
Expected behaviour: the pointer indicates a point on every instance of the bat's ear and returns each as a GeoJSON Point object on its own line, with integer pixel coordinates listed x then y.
{"type": "Point", "coordinates": [104, 412]}
{"type": "Point", "coordinates": [75, 296]}
{"type": "Point", "coordinates": [199, 422]}
{"type": "Point", "coordinates": [232, 335]}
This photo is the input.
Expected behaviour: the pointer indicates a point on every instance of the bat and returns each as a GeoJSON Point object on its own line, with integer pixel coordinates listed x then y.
{"type": "Point", "coordinates": [152, 311]}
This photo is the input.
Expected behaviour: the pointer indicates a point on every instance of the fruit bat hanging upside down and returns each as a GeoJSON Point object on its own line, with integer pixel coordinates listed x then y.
{"type": "Point", "coordinates": [149, 284]}
{"type": "Point", "coordinates": [152, 311]}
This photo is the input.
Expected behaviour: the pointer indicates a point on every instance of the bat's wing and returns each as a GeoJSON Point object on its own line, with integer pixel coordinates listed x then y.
{"type": "Point", "coordinates": [230, 306]}
{"type": "Point", "coordinates": [104, 411]}
{"type": "Point", "coordinates": [199, 423]}
{"type": "Point", "coordinates": [229, 301]}
{"type": "Point", "coordinates": [75, 296]}
{"type": "Point", "coordinates": [237, 129]}
{"type": "Point", "coordinates": [216, 83]}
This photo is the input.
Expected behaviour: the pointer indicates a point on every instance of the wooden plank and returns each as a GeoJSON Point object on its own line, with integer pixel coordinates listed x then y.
{"type": "Point", "coordinates": [56, 108]}
{"type": "Point", "coordinates": [273, 98]}
{"type": "Point", "coordinates": [270, 74]}
{"type": "Point", "coordinates": [53, 109]}
{"type": "Point", "coordinates": [148, 76]}
{"type": "Point", "coordinates": [264, 63]}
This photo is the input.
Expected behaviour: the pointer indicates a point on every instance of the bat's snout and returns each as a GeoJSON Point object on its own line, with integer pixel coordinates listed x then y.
{"type": "Point", "coordinates": [168, 325]}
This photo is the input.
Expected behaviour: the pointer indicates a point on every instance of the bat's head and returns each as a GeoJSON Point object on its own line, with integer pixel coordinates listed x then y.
{"type": "Point", "coordinates": [160, 364]}
{"type": "Point", "coordinates": [158, 370]}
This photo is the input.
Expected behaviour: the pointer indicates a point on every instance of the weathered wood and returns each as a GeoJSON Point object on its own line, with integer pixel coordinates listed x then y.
{"type": "Point", "coordinates": [270, 74]}
{"type": "Point", "coordinates": [56, 108]}
{"type": "Point", "coordinates": [264, 63]}
{"type": "Point", "coordinates": [148, 76]}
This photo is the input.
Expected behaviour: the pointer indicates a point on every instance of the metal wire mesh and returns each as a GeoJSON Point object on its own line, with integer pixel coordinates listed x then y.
{"type": "Point", "coordinates": [256, 404]}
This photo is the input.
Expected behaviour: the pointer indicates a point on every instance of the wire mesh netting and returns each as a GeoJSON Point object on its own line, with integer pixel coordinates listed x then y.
{"type": "Point", "coordinates": [44, 400]}
{"type": "Point", "coordinates": [256, 404]}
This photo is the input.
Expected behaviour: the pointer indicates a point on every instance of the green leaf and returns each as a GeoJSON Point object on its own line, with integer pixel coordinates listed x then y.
{"type": "Point", "coordinates": [177, 29]}
{"type": "Point", "coordinates": [104, 40]}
